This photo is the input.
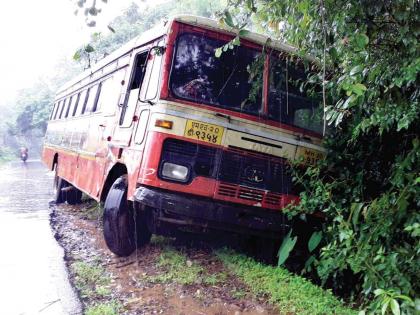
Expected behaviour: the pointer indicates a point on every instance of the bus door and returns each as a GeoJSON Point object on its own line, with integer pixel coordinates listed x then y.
{"type": "Point", "coordinates": [129, 99]}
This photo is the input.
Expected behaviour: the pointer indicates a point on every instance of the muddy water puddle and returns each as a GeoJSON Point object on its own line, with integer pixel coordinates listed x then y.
{"type": "Point", "coordinates": [33, 276]}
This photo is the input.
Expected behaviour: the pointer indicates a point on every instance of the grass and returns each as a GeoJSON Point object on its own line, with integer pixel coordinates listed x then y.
{"type": "Point", "coordinates": [91, 279]}
{"type": "Point", "coordinates": [238, 294]}
{"type": "Point", "coordinates": [93, 212]}
{"type": "Point", "coordinates": [109, 308]}
{"type": "Point", "coordinates": [215, 278]}
{"type": "Point", "coordinates": [177, 268]}
{"type": "Point", "coordinates": [288, 292]}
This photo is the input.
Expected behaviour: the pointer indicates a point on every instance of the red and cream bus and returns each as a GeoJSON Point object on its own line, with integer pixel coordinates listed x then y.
{"type": "Point", "coordinates": [168, 135]}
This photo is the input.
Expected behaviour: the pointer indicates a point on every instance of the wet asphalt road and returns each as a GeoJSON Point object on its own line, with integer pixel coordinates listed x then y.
{"type": "Point", "coordinates": [33, 277]}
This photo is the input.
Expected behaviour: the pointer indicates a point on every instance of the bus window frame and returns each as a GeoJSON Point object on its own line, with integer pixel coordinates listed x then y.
{"type": "Point", "coordinates": [62, 108]}
{"type": "Point", "coordinates": [76, 103]}
{"type": "Point", "coordinates": [54, 108]}
{"type": "Point", "coordinates": [159, 51]}
{"type": "Point", "coordinates": [89, 106]}
{"type": "Point", "coordinates": [83, 111]}
{"type": "Point", "coordinates": [124, 105]}
{"type": "Point", "coordinates": [57, 109]}
{"type": "Point", "coordinates": [95, 102]}
{"type": "Point", "coordinates": [69, 106]}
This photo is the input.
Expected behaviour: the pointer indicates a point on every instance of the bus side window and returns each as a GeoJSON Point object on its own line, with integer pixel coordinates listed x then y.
{"type": "Point", "coordinates": [108, 98]}
{"type": "Point", "coordinates": [68, 107]}
{"type": "Point", "coordinates": [150, 90]}
{"type": "Point", "coordinates": [75, 104]}
{"type": "Point", "coordinates": [98, 93]}
{"type": "Point", "coordinates": [57, 109]}
{"type": "Point", "coordinates": [130, 102]}
{"type": "Point", "coordinates": [54, 108]}
{"type": "Point", "coordinates": [92, 98]}
{"type": "Point", "coordinates": [62, 109]}
{"type": "Point", "coordinates": [85, 101]}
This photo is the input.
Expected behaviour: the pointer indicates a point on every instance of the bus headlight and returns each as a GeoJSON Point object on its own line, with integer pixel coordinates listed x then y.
{"type": "Point", "coordinates": [175, 172]}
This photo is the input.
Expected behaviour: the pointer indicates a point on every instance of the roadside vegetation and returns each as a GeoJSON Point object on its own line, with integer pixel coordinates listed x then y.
{"type": "Point", "coordinates": [93, 283]}
{"type": "Point", "coordinates": [368, 187]}
{"type": "Point", "coordinates": [176, 267]}
{"type": "Point", "coordinates": [290, 293]}
{"type": "Point", "coordinates": [91, 279]}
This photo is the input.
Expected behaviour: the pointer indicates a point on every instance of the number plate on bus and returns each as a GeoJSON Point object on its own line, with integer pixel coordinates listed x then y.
{"type": "Point", "coordinates": [311, 157]}
{"type": "Point", "coordinates": [204, 132]}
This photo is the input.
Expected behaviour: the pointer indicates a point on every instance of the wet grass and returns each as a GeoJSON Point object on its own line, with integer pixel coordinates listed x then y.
{"type": "Point", "coordinates": [288, 292]}
{"type": "Point", "coordinates": [215, 279]}
{"type": "Point", "coordinates": [176, 268]}
{"type": "Point", "coordinates": [109, 308]}
{"type": "Point", "coordinates": [93, 212]}
{"type": "Point", "coordinates": [91, 280]}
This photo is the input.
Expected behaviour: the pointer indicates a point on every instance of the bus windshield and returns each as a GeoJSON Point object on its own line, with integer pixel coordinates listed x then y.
{"type": "Point", "coordinates": [226, 82]}
{"type": "Point", "coordinates": [234, 81]}
{"type": "Point", "coordinates": [291, 99]}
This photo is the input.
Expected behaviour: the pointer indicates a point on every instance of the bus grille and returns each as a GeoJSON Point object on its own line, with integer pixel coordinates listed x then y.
{"type": "Point", "coordinates": [255, 172]}
{"type": "Point", "coordinates": [247, 169]}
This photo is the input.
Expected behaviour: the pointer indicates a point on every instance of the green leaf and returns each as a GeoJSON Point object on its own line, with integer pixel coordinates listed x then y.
{"type": "Point", "coordinates": [349, 101]}
{"type": "Point", "coordinates": [236, 41]}
{"type": "Point", "coordinates": [218, 52]}
{"type": "Point", "coordinates": [228, 19]}
{"type": "Point", "coordinates": [361, 40]}
{"type": "Point", "coordinates": [89, 49]}
{"type": "Point", "coordinates": [314, 240]}
{"type": "Point", "coordinates": [395, 307]}
{"type": "Point", "coordinates": [77, 56]}
{"type": "Point", "coordinates": [356, 70]}
{"type": "Point", "coordinates": [333, 53]}
{"type": "Point", "coordinates": [286, 247]}
{"type": "Point", "coordinates": [384, 307]}
{"type": "Point", "coordinates": [358, 89]}
{"type": "Point", "coordinates": [243, 32]}
{"type": "Point", "coordinates": [309, 261]}
{"type": "Point", "coordinates": [355, 209]}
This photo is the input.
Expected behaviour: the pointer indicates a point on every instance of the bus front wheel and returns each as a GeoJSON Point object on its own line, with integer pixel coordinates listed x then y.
{"type": "Point", "coordinates": [123, 231]}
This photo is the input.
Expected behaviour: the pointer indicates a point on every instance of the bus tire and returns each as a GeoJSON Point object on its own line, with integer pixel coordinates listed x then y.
{"type": "Point", "coordinates": [59, 194]}
{"type": "Point", "coordinates": [118, 220]}
{"type": "Point", "coordinates": [74, 196]}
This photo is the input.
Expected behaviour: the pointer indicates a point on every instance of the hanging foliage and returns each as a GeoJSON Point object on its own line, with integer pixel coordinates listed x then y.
{"type": "Point", "coordinates": [369, 185]}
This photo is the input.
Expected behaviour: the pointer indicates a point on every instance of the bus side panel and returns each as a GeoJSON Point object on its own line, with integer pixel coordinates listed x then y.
{"type": "Point", "coordinates": [48, 154]}
{"type": "Point", "coordinates": [100, 128]}
{"type": "Point", "coordinates": [82, 171]}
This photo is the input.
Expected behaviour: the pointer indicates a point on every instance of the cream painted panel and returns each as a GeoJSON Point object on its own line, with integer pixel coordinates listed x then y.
{"type": "Point", "coordinates": [254, 143]}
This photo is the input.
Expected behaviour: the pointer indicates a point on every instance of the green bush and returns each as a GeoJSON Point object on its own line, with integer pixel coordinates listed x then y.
{"type": "Point", "coordinates": [368, 187]}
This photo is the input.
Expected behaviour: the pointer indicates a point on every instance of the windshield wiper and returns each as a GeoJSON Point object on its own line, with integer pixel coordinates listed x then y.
{"type": "Point", "coordinates": [223, 116]}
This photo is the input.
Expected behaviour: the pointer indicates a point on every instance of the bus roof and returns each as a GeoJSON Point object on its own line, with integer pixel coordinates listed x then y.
{"type": "Point", "coordinates": [161, 29]}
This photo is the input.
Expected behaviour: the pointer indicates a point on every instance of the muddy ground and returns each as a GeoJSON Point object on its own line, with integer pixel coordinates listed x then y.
{"type": "Point", "coordinates": [145, 283]}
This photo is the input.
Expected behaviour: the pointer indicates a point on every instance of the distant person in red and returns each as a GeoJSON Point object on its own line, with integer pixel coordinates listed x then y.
{"type": "Point", "coordinates": [24, 153]}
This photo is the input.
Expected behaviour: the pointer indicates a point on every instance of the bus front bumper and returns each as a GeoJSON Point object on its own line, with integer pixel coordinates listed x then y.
{"type": "Point", "coordinates": [189, 210]}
